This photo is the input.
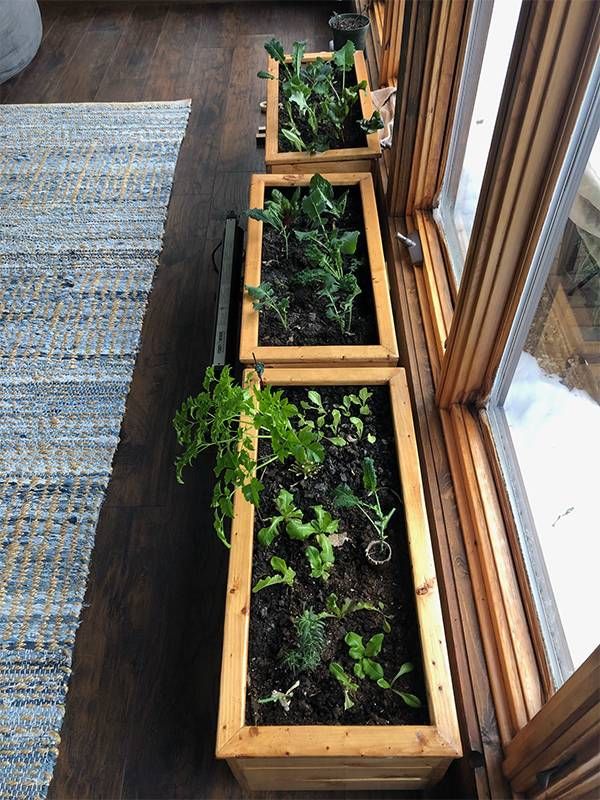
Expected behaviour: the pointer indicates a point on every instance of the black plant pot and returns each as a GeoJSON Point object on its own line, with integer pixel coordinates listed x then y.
{"type": "Point", "coordinates": [349, 27]}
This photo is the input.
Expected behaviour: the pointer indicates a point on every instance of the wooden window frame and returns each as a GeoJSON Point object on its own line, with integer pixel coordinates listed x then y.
{"type": "Point", "coordinates": [452, 344]}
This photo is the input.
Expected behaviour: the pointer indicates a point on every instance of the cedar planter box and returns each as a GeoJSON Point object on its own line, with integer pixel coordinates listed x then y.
{"type": "Point", "coordinates": [345, 159]}
{"type": "Point", "coordinates": [384, 350]}
{"type": "Point", "coordinates": [341, 756]}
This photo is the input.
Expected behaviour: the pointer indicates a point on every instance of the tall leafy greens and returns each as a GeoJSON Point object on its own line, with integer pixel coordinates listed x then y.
{"type": "Point", "coordinates": [228, 417]}
{"type": "Point", "coordinates": [317, 93]}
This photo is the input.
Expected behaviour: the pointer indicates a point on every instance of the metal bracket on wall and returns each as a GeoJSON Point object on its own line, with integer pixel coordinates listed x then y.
{"type": "Point", "coordinates": [413, 246]}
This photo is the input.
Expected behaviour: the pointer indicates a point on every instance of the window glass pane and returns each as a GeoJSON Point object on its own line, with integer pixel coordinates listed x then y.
{"type": "Point", "coordinates": [488, 53]}
{"type": "Point", "coordinates": [553, 412]}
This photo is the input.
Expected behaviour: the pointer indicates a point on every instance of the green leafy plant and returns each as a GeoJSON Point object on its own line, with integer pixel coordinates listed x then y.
{"type": "Point", "coordinates": [364, 655]}
{"type": "Point", "coordinates": [350, 688]}
{"type": "Point", "coordinates": [349, 606]}
{"type": "Point", "coordinates": [288, 513]}
{"type": "Point", "coordinates": [283, 698]}
{"type": "Point", "coordinates": [228, 418]}
{"type": "Point", "coordinates": [333, 276]}
{"type": "Point", "coordinates": [310, 643]}
{"type": "Point", "coordinates": [284, 574]}
{"type": "Point", "coordinates": [280, 212]}
{"type": "Point", "coordinates": [321, 558]}
{"type": "Point", "coordinates": [264, 297]}
{"type": "Point", "coordinates": [317, 93]}
{"type": "Point", "coordinates": [328, 423]}
{"type": "Point", "coordinates": [322, 523]}
{"type": "Point", "coordinates": [345, 498]}
{"type": "Point", "coordinates": [409, 699]}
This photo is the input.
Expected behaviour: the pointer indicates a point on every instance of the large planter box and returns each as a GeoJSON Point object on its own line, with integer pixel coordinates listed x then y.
{"type": "Point", "coordinates": [385, 351]}
{"type": "Point", "coordinates": [329, 757]}
{"type": "Point", "coordinates": [347, 159]}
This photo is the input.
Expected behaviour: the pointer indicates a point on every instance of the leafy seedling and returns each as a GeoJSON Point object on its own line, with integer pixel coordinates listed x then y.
{"type": "Point", "coordinates": [409, 699]}
{"type": "Point", "coordinates": [280, 212]}
{"type": "Point", "coordinates": [349, 687]}
{"type": "Point", "coordinates": [309, 630]}
{"type": "Point", "coordinates": [321, 558]}
{"type": "Point", "coordinates": [283, 698]}
{"type": "Point", "coordinates": [322, 523]}
{"type": "Point", "coordinates": [349, 606]}
{"type": "Point", "coordinates": [371, 125]}
{"type": "Point", "coordinates": [364, 655]}
{"type": "Point", "coordinates": [285, 575]}
{"type": "Point", "coordinates": [288, 513]}
{"type": "Point", "coordinates": [265, 298]}
{"type": "Point", "coordinates": [228, 417]}
{"type": "Point", "coordinates": [378, 550]}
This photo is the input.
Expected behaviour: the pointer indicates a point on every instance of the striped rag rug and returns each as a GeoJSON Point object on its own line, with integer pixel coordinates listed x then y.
{"type": "Point", "coordinates": [84, 190]}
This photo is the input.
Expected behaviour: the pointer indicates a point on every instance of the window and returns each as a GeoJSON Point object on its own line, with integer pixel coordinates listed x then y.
{"type": "Point", "coordinates": [489, 47]}
{"type": "Point", "coordinates": [548, 415]}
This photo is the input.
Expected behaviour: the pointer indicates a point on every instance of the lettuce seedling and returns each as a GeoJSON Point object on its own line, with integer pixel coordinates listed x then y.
{"type": "Point", "coordinates": [323, 523]}
{"type": "Point", "coordinates": [285, 575]}
{"type": "Point", "coordinates": [349, 687]}
{"type": "Point", "coordinates": [288, 513]}
{"type": "Point", "coordinates": [364, 655]}
{"type": "Point", "coordinates": [409, 699]}
{"type": "Point", "coordinates": [350, 606]}
{"type": "Point", "coordinates": [321, 558]}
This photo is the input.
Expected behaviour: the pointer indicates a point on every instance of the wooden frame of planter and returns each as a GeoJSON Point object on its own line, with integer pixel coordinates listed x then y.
{"type": "Point", "coordinates": [385, 353]}
{"type": "Point", "coordinates": [343, 159]}
{"type": "Point", "coordinates": [330, 757]}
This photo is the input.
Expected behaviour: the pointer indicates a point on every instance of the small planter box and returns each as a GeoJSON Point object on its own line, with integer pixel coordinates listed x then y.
{"type": "Point", "coordinates": [329, 757]}
{"type": "Point", "coordinates": [346, 159]}
{"type": "Point", "coordinates": [382, 353]}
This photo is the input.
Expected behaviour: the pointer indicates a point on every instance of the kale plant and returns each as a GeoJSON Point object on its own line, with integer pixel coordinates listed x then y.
{"type": "Point", "coordinates": [280, 213]}
{"type": "Point", "coordinates": [379, 550]}
{"type": "Point", "coordinates": [317, 93]}
{"type": "Point", "coordinates": [264, 296]}
{"type": "Point", "coordinates": [229, 417]}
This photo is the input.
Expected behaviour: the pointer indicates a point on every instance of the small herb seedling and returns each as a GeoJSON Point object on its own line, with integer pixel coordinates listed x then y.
{"type": "Point", "coordinates": [288, 513]}
{"type": "Point", "coordinates": [310, 642]}
{"type": "Point", "coordinates": [364, 655]}
{"type": "Point", "coordinates": [321, 558]}
{"type": "Point", "coordinates": [283, 698]}
{"type": "Point", "coordinates": [350, 606]}
{"type": "Point", "coordinates": [265, 298]}
{"type": "Point", "coordinates": [285, 575]}
{"type": "Point", "coordinates": [349, 687]}
{"type": "Point", "coordinates": [409, 699]}
{"type": "Point", "coordinates": [379, 550]}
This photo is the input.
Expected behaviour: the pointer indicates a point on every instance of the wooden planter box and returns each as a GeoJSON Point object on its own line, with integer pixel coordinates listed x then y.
{"type": "Point", "coordinates": [346, 159]}
{"type": "Point", "coordinates": [329, 757]}
{"type": "Point", "coordinates": [385, 352]}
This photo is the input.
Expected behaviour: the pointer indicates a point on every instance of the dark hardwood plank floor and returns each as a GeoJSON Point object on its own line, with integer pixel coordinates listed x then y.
{"type": "Point", "coordinates": [141, 708]}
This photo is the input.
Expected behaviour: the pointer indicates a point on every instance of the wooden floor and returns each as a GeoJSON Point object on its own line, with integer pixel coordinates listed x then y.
{"type": "Point", "coordinates": [141, 708]}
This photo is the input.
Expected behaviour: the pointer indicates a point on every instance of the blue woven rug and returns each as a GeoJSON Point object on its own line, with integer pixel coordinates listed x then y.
{"type": "Point", "coordinates": [83, 199]}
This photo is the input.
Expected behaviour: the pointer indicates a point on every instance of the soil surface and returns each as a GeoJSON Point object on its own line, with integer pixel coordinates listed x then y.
{"type": "Point", "coordinates": [348, 22]}
{"type": "Point", "coordinates": [307, 323]}
{"type": "Point", "coordinates": [352, 135]}
{"type": "Point", "coordinates": [319, 698]}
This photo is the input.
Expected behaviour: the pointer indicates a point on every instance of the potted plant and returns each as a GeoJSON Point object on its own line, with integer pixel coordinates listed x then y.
{"type": "Point", "coordinates": [335, 673]}
{"type": "Point", "coordinates": [349, 27]}
{"type": "Point", "coordinates": [316, 289]}
{"type": "Point", "coordinates": [319, 111]}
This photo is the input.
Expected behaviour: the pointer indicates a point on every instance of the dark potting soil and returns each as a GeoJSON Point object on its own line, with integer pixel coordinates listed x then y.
{"type": "Point", "coordinates": [347, 22]}
{"type": "Point", "coordinates": [319, 698]}
{"type": "Point", "coordinates": [307, 323]}
{"type": "Point", "coordinates": [352, 135]}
